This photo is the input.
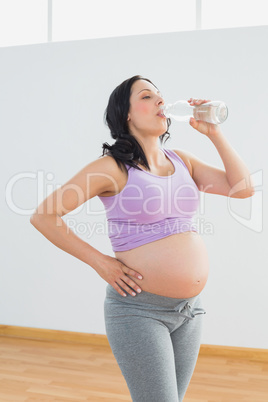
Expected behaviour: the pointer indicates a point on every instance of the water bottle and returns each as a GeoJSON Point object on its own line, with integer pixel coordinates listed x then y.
{"type": "Point", "coordinates": [214, 112]}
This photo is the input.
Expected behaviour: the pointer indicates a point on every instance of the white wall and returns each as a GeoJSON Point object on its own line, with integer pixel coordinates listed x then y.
{"type": "Point", "coordinates": [52, 101]}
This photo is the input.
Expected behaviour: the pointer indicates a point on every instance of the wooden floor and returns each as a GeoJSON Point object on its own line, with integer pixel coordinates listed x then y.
{"type": "Point", "coordinates": [44, 371]}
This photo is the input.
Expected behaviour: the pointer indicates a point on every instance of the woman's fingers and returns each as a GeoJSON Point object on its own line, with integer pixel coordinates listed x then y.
{"type": "Point", "coordinates": [119, 290]}
{"type": "Point", "coordinates": [129, 286]}
{"type": "Point", "coordinates": [115, 273]}
{"type": "Point", "coordinates": [131, 272]}
{"type": "Point", "coordinates": [127, 283]}
{"type": "Point", "coordinates": [193, 101]}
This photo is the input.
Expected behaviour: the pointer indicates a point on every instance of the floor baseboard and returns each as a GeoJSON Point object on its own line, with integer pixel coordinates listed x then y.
{"type": "Point", "coordinates": [101, 340]}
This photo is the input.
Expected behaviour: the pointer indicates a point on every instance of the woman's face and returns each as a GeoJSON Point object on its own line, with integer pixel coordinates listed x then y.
{"type": "Point", "coordinates": [144, 113]}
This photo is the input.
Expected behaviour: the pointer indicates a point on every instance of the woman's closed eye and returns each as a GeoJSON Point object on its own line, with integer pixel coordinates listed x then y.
{"type": "Point", "coordinates": [146, 97]}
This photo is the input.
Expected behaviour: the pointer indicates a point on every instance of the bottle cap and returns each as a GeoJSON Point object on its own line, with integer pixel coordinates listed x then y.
{"type": "Point", "coordinates": [222, 112]}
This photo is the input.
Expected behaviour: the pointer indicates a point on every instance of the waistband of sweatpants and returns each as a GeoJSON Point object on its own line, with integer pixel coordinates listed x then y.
{"type": "Point", "coordinates": [148, 298]}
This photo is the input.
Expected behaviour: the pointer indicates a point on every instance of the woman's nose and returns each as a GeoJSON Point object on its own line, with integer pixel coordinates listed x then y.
{"type": "Point", "coordinates": [160, 100]}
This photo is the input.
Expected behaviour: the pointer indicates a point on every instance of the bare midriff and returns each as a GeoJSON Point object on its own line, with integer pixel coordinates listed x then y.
{"type": "Point", "coordinates": [175, 266]}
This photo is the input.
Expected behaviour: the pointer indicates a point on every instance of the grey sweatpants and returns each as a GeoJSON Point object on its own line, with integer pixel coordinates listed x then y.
{"type": "Point", "coordinates": [155, 340]}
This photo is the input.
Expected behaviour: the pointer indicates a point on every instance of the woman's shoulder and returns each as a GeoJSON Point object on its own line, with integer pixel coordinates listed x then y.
{"type": "Point", "coordinates": [108, 165]}
{"type": "Point", "coordinates": [186, 158]}
{"type": "Point", "coordinates": [108, 162]}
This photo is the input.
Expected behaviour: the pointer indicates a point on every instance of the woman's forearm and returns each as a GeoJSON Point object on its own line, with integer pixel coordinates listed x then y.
{"type": "Point", "coordinates": [57, 232]}
{"type": "Point", "coordinates": [237, 172]}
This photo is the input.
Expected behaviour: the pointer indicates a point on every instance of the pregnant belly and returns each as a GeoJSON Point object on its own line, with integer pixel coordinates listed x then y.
{"type": "Point", "coordinates": [175, 266]}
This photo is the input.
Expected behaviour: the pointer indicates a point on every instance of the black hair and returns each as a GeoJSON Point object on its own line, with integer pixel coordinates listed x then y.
{"type": "Point", "coordinates": [126, 149]}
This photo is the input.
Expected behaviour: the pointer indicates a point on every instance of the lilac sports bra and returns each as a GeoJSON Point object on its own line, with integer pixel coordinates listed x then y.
{"type": "Point", "coordinates": [152, 207]}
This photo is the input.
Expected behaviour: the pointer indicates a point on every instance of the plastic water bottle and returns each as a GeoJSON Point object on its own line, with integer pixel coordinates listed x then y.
{"type": "Point", "coordinates": [214, 112]}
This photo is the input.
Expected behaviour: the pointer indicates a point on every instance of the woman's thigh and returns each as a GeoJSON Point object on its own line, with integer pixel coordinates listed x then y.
{"type": "Point", "coordinates": [144, 352]}
{"type": "Point", "coordinates": [186, 344]}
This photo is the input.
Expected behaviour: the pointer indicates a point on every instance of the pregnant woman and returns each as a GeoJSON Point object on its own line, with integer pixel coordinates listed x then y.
{"type": "Point", "coordinates": [153, 311]}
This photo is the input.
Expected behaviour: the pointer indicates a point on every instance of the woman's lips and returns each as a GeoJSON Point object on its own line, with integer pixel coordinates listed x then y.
{"type": "Point", "coordinates": [161, 115]}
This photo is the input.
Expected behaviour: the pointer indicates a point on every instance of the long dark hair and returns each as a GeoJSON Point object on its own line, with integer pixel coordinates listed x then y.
{"type": "Point", "coordinates": [126, 149]}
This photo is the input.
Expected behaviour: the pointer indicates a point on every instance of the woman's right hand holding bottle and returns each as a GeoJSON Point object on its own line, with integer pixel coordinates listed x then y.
{"type": "Point", "coordinates": [115, 273]}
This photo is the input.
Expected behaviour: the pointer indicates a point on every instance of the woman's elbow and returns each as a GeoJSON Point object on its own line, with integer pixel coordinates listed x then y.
{"type": "Point", "coordinates": [246, 193]}
{"type": "Point", "coordinates": [249, 192]}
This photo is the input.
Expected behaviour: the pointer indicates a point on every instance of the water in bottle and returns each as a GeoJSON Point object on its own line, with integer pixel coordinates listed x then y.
{"type": "Point", "coordinates": [214, 112]}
